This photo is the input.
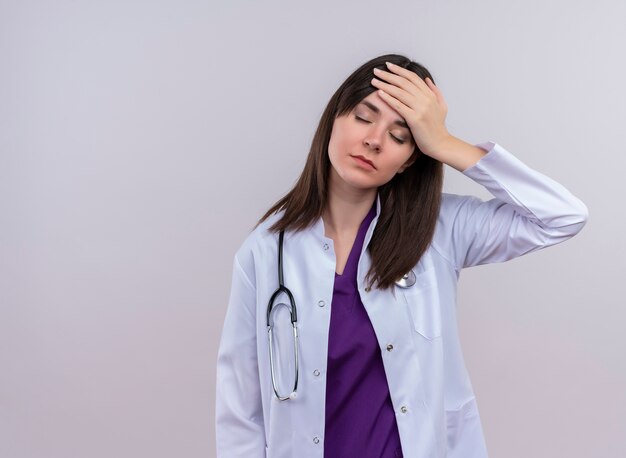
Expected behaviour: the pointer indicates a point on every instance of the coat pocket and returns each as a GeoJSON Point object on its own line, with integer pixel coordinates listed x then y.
{"type": "Point", "coordinates": [465, 438]}
{"type": "Point", "coordinates": [423, 304]}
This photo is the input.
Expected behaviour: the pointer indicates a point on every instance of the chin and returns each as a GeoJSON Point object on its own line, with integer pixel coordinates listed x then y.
{"type": "Point", "coordinates": [356, 179]}
{"type": "Point", "coordinates": [363, 185]}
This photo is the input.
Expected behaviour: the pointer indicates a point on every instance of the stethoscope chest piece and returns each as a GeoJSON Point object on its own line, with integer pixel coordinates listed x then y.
{"type": "Point", "coordinates": [407, 280]}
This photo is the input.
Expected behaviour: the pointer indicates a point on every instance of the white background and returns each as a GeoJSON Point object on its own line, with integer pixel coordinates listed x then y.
{"type": "Point", "coordinates": [141, 140]}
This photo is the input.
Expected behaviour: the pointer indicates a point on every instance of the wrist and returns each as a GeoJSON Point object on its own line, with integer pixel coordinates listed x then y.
{"type": "Point", "coordinates": [459, 154]}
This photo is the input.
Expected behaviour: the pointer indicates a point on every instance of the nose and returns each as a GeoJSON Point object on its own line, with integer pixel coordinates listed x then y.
{"type": "Point", "coordinates": [374, 139]}
{"type": "Point", "coordinates": [373, 144]}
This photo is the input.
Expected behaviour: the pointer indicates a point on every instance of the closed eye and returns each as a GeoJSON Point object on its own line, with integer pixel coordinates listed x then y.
{"type": "Point", "coordinates": [398, 140]}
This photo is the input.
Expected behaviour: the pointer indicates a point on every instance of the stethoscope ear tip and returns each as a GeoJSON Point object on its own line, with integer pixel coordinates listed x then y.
{"type": "Point", "coordinates": [293, 395]}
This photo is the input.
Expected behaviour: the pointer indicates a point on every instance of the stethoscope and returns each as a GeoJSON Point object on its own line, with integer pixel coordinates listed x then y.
{"type": "Point", "coordinates": [406, 281]}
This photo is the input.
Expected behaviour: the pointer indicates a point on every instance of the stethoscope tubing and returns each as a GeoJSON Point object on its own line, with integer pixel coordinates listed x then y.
{"type": "Point", "coordinates": [294, 321]}
{"type": "Point", "coordinates": [406, 281]}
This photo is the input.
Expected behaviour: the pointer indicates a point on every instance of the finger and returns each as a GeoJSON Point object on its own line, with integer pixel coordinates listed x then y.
{"type": "Point", "coordinates": [432, 86]}
{"type": "Point", "coordinates": [436, 90]}
{"type": "Point", "coordinates": [409, 100]}
{"type": "Point", "coordinates": [399, 81]}
{"type": "Point", "coordinates": [394, 103]}
{"type": "Point", "coordinates": [408, 74]}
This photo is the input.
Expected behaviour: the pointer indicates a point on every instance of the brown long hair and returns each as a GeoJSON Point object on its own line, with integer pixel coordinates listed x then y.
{"type": "Point", "coordinates": [410, 201]}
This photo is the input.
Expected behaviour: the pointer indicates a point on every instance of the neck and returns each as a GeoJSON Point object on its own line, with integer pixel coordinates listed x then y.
{"type": "Point", "coordinates": [346, 209]}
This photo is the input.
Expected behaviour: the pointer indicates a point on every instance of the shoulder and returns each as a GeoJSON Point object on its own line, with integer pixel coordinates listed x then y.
{"type": "Point", "coordinates": [259, 243]}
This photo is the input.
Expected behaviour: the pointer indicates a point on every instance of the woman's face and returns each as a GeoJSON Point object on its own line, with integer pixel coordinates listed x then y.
{"type": "Point", "coordinates": [377, 133]}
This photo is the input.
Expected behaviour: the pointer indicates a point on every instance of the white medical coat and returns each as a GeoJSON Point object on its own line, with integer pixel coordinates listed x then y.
{"type": "Point", "coordinates": [416, 329]}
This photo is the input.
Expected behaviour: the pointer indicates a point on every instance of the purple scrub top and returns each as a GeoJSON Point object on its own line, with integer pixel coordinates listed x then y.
{"type": "Point", "coordinates": [360, 418]}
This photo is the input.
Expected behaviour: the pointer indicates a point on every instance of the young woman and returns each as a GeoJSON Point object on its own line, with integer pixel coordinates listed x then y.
{"type": "Point", "coordinates": [371, 254]}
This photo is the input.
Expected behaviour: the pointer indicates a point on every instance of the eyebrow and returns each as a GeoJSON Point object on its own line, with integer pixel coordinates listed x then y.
{"type": "Point", "coordinates": [375, 109]}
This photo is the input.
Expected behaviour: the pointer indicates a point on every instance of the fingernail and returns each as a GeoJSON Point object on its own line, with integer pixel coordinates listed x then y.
{"type": "Point", "coordinates": [389, 64]}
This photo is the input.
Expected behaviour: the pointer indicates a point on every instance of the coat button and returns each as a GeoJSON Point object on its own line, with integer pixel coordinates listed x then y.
{"type": "Point", "coordinates": [321, 303]}
{"type": "Point", "coordinates": [325, 247]}
{"type": "Point", "coordinates": [389, 347]}
{"type": "Point", "coordinates": [367, 289]}
{"type": "Point", "coordinates": [316, 373]}
{"type": "Point", "coordinates": [403, 409]}
{"type": "Point", "coordinates": [316, 440]}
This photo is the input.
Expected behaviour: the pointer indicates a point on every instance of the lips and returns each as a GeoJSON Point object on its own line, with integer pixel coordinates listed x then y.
{"type": "Point", "coordinates": [364, 159]}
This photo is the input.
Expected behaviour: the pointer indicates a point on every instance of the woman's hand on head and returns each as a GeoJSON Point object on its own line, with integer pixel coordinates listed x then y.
{"type": "Point", "coordinates": [419, 102]}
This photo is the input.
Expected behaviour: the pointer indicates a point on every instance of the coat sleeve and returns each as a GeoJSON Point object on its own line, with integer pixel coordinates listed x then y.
{"type": "Point", "coordinates": [529, 211]}
{"type": "Point", "coordinates": [239, 423]}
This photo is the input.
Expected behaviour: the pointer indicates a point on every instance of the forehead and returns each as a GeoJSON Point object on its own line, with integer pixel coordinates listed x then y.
{"type": "Point", "coordinates": [373, 103]}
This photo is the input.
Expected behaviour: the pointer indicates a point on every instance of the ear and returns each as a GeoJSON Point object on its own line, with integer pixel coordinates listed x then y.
{"type": "Point", "coordinates": [408, 162]}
